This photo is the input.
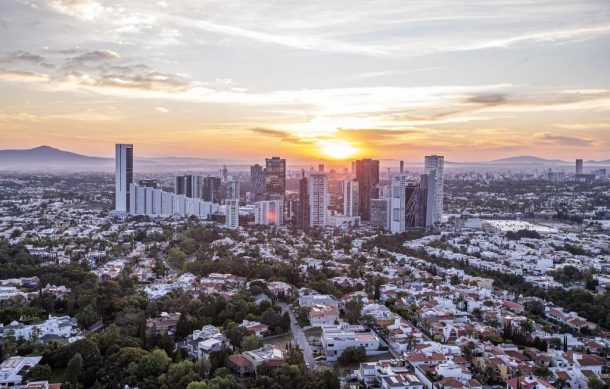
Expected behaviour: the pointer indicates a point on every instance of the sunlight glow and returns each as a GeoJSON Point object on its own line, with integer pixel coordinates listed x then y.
{"type": "Point", "coordinates": [337, 149]}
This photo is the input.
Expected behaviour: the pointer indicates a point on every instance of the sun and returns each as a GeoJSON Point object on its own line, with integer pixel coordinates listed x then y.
{"type": "Point", "coordinates": [337, 149]}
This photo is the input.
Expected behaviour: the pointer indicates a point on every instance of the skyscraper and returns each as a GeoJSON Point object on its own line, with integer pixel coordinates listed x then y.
{"type": "Point", "coordinates": [579, 166]}
{"type": "Point", "coordinates": [196, 187]}
{"type": "Point", "coordinates": [398, 203]}
{"type": "Point", "coordinates": [302, 213]}
{"type": "Point", "coordinates": [224, 173]}
{"type": "Point", "coordinates": [275, 176]}
{"type": "Point", "coordinates": [123, 177]}
{"type": "Point", "coordinates": [367, 175]}
{"type": "Point", "coordinates": [233, 190]}
{"type": "Point", "coordinates": [435, 166]}
{"type": "Point", "coordinates": [184, 185]}
{"type": "Point", "coordinates": [211, 189]}
{"type": "Point", "coordinates": [257, 179]}
{"type": "Point", "coordinates": [350, 197]}
{"type": "Point", "coordinates": [232, 205]}
{"type": "Point", "coordinates": [318, 199]}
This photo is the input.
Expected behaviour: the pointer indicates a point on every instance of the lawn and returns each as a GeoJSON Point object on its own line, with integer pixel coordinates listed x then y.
{"type": "Point", "coordinates": [281, 341]}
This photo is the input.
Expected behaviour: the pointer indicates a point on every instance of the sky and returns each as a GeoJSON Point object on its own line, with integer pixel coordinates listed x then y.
{"type": "Point", "coordinates": [321, 79]}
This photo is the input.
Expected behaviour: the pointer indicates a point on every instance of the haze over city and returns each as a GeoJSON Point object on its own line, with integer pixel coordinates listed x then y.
{"type": "Point", "coordinates": [473, 81]}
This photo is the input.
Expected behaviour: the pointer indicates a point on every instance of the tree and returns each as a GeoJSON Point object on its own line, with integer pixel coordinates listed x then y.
{"type": "Point", "coordinates": [595, 383]}
{"type": "Point", "coordinates": [250, 342]}
{"type": "Point", "coordinates": [180, 375]}
{"type": "Point", "coordinates": [352, 355]}
{"type": "Point", "coordinates": [38, 373]}
{"type": "Point", "coordinates": [527, 327]}
{"type": "Point", "coordinates": [197, 385]}
{"type": "Point", "coordinates": [73, 370]}
{"type": "Point", "coordinates": [353, 311]}
{"type": "Point", "coordinates": [176, 258]}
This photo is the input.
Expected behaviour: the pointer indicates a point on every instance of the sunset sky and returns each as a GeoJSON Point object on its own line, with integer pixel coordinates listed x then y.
{"type": "Point", "coordinates": [471, 80]}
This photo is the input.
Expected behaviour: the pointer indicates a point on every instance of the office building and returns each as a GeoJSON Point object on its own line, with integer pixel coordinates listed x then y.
{"type": "Point", "coordinates": [434, 166]}
{"type": "Point", "coordinates": [268, 212]}
{"type": "Point", "coordinates": [233, 190]}
{"type": "Point", "coordinates": [318, 199]}
{"type": "Point", "coordinates": [123, 177]}
{"type": "Point", "coordinates": [257, 180]}
{"type": "Point", "coordinates": [275, 177]}
{"type": "Point", "coordinates": [579, 166]}
{"type": "Point", "coordinates": [302, 212]}
{"type": "Point", "coordinates": [367, 175]}
{"type": "Point", "coordinates": [197, 187]}
{"type": "Point", "coordinates": [184, 185]}
{"type": "Point", "coordinates": [210, 190]}
{"type": "Point", "coordinates": [224, 173]}
{"type": "Point", "coordinates": [349, 188]}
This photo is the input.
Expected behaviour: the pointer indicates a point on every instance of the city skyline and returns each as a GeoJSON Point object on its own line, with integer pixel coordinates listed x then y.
{"type": "Point", "coordinates": [472, 82]}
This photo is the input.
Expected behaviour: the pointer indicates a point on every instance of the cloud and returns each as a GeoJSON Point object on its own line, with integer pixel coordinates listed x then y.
{"type": "Point", "coordinates": [162, 109]}
{"type": "Point", "coordinates": [583, 126]}
{"type": "Point", "coordinates": [488, 99]}
{"type": "Point", "coordinates": [83, 9]}
{"type": "Point", "coordinates": [21, 56]}
{"type": "Point", "coordinates": [96, 56]}
{"type": "Point", "coordinates": [564, 140]}
{"type": "Point", "coordinates": [23, 76]}
{"type": "Point", "coordinates": [281, 135]}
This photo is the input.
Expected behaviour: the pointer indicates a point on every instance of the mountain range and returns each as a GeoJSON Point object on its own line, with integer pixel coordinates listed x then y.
{"type": "Point", "coordinates": [50, 158]}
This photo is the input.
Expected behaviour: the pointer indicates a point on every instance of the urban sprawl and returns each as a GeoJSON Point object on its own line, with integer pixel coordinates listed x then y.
{"type": "Point", "coordinates": [354, 277]}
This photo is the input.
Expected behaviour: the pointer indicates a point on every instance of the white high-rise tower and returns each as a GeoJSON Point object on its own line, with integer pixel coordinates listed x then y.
{"type": "Point", "coordinates": [123, 177]}
{"type": "Point", "coordinates": [232, 204]}
{"type": "Point", "coordinates": [435, 165]}
{"type": "Point", "coordinates": [318, 199]}
{"type": "Point", "coordinates": [350, 197]}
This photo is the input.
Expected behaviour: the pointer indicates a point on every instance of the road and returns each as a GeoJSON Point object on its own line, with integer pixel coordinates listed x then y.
{"type": "Point", "coordinates": [299, 337]}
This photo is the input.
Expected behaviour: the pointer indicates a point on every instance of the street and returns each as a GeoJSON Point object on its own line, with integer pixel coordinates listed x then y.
{"type": "Point", "coordinates": [299, 337]}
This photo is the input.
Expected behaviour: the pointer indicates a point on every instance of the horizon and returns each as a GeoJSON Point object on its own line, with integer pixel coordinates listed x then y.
{"type": "Point", "coordinates": [331, 162]}
{"type": "Point", "coordinates": [472, 82]}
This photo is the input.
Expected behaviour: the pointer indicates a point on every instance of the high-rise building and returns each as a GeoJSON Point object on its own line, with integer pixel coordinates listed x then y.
{"type": "Point", "coordinates": [302, 213]}
{"type": "Point", "coordinates": [233, 190]}
{"type": "Point", "coordinates": [196, 187]}
{"type": "Point", "coordinates": [257, 179]}
{"type": "Point", "coordinates": [184, 185]}
{"type": "Point", "coordinates": [318, 199]}
{"type": "Point", "coordinates": [398, 203]}
{"type": "Point", "coordinates": [380, 211]}
{"type": "Point", "coordinates": [579, 166]}
{"type": "Point", "coordinates": [232, 213]}
{"type": "Point", "coordinates": [224, 173]}
{"type": "Point", "coordinates": [123, 177]}
{"type": "Point", "coordinates": [211, 189]}
{"type": "Point", "coordinates": [350, 197]}
{"type": "Point", "coordinates": [435, 166]}
{"type": "Point", "coordinates": [367, 175]}
{"type": "Point", "coordinates": [232, 205]}
{"type": "Point", "coordinates": [268, 212]}
{"type": "Point", "coordinates": [275, 176]}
